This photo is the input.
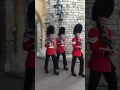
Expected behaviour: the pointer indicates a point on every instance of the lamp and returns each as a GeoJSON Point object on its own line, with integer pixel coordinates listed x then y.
{"type": "Point", "coordinates": [58, 9]}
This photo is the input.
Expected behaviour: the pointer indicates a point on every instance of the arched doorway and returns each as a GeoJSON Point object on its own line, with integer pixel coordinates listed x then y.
{"type": "Point", "coordinates": [40, 14]}
{"type": "Point", "coordinates": [39, 39]}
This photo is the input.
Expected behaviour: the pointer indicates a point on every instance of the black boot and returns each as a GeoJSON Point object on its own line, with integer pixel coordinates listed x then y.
{"type": "Point", "coordinates": [81, 74]}
{"type": "Point", "coordinates": [65, 68]}
{"type": "Point", "coordinates": [57, 68]}
{"type": "Point", "coordinates": [73, 74]}
{"type": "Point", "coordinates": [56, 73]}
{"type": "Point", "coordinates": [46, 71]}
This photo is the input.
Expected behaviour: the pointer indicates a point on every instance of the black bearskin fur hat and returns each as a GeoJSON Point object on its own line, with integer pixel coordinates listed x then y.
{"type": "Point", "coordinates": [61, 31]}
{"type": "Point", "coordinates": [31, 13]}
{"type": "Point", "coordinates": [77, 28]}
{"type": "Point", "coordinates": [50, 30]}
{"type": "Point", "coordinates": [102, 8]}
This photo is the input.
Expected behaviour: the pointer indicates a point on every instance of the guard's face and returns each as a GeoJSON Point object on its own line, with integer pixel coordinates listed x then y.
{"type": "Point", "coordinates": [61, 35]}
{"type": "Point", "coordinates": [103, 20]}
{"type": "Point", "coordinates": [78, 35]}
{"type": "Point", "coordinates": [50, 35]}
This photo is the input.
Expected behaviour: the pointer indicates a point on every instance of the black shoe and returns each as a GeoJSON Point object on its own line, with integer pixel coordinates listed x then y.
{"type": "Point", "coordinates": [73, 74]}
{"type": "Point", "coordinates": [58, 68]}
{"type": "Point", "coordinates": [56, 73]}
{"type": "Point", "coordinates": [65, 68]}
{"type": "Point", "coordinates": [81, 74]}
{"type": "Point", "coordinates": [46, 72]}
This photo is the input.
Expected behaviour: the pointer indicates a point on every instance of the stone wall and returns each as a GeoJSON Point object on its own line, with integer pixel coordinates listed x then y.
{"type": "Point", "coordinates": [73, 13]}
{"type": "Point", "coordinates": [114, 24]}
{"type": "Point", "coordinates": [15, 55]}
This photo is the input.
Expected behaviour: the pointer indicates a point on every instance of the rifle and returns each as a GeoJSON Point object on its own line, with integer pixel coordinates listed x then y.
{"type": "Point", "coordinates": [60, 39]}
{"type": "Point", "coordinates": [49, 40]}
{"type": "Point", "coordinates": [106, 39]}
{"type": "Point", "coordinates": [78, 41]}
{"type": "Point", "coordinates": [30, 34]}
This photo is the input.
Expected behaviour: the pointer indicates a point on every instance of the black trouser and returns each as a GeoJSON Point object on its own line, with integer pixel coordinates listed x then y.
{"type": "Point", "coordinates": [110, 77]}
{"type": "Point", "coordinates": [64, 59]}
{"type": "Point", "coordinates": [29, 78]}
{"type": "Point", "coordinates": [81, 64]}
{"type": "Point", "coordinates": [47, 60]}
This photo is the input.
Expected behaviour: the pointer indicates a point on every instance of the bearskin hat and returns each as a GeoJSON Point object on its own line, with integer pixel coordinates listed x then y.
{"type": "Point", "coordinates": [102, 8]}
{"type": "Point", "coordinates": [61, 31]}
{"type": "Point", "coordinates": [31, 13]}
{"type": "Point", "coordinates": [50, 29]}
{"type": "Point", "coordinates": [77, 28]}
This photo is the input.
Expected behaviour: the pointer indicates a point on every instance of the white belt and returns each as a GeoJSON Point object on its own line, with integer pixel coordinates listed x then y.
{"type": "Point", "coordinates": [51, 47]}
{"type": "Point", "coordinates": [61, 45]}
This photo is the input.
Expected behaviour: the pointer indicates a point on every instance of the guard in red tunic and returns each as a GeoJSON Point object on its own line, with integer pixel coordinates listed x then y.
{"type": "Point", "coordinates": [77, 47]}
{"type": "Point", "coordinates": [29, 46]}
{"type": "Point", "coordinates": [101, 46]}
{"type": "Point", "coordinates": [60, 41]}
{"type": "Point", "coordinates": [50, 51]}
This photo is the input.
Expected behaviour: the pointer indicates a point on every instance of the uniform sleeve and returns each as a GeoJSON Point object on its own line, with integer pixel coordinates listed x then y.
{"type": "Point", "coordinates": [53, 41]}
{"type": "Point", "coordinates": [64, 41]}
{"type": "Point", "coordinates": [74, 44]}
{"type": "Point", "coordinates": [81, 39]}
{"type": "Point", "coordinates": [94, 42]}
{"type": "Point", "coordinates": [27, 45]}
{"type": "Point", "coordinates": [57, 42]}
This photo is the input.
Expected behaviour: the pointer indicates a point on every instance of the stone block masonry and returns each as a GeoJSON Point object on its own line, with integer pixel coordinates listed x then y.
{"type": "Point", "coordinates": [73, 13]}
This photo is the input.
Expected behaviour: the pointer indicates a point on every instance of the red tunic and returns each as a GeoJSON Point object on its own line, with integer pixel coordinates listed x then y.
{"type": "Point", "coordinates": [76, 51]}
{"type": "Point", "coordinates": [98, 61]}
{"type": "Point", "coordinates": [50, 49]}
{"type": "Point", "coordinates": [30, 61]}
{"type": "Point", "coordinates": [60, 48]}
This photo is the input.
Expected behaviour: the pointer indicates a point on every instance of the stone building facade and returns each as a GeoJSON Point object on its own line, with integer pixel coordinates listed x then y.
{"type": "Point", "coordinates": [73, 13]}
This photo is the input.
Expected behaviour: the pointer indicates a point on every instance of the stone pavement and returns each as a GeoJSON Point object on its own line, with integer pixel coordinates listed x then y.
{"type": "Point", "coordinates": [62, 82]}
{"type": "Point", "coordinates": [49, 81]}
